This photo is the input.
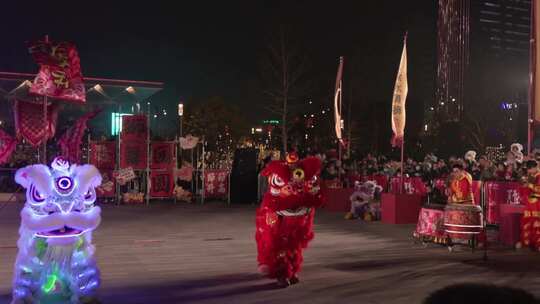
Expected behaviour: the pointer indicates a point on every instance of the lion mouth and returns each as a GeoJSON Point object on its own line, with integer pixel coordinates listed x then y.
{"type": "Point", "coordinates": [275, 191]}
{"type": "Point", "coordinates": [62, 232]}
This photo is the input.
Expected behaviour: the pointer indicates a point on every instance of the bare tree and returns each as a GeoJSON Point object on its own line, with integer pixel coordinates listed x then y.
{"type": "Point", "coordinates": [476, 130]}
{"type": "Point", "coordinates": [284, 67]}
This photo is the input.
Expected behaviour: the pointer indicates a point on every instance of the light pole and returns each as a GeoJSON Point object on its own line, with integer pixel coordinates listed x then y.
{"type": "Point", "coordinates": [180, 114]}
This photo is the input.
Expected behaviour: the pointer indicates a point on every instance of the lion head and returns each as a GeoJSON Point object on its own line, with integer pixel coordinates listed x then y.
{"type": "Point", "coordinates": [60, 199]}
{"type": "Point", "coordinates": [294, 182]}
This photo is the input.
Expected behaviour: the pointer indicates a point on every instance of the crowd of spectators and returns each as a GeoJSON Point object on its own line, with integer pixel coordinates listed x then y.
{"type": "Point", "coordinates": [510, 167]}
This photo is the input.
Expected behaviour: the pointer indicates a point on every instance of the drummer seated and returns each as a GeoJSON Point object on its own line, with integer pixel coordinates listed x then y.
{"type": "Point", "coordinates": [460, 186]}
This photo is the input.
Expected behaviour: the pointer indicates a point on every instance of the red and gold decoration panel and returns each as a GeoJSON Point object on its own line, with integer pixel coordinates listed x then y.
{"type": "Point", "coordinates": [103, 154]}
{"type": "Point", "coordinates": [161, 183]}
{"type": "Point", "coordinates": [162, 155]}
{"type": "Point", "coordinates": [30, 122]}
{"type": "Point", "coordinates": [60, 71]}
{"type": "Point", "coordinates": [216, 183]}
{"type": "Point", "coordinates": [133, 154]}
{"type": "Point", "coordinates": [134, 128]}
{"type": "Point", "coordinates": [8, 144]}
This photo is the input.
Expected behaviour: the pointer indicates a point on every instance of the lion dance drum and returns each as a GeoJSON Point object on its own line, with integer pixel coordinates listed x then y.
{"type": "Point", "coordinates": [285, 218]}
{"type": "Point", "coordinates": [463, 221]}
{"type": "Point", "coordinates": [55, 262]}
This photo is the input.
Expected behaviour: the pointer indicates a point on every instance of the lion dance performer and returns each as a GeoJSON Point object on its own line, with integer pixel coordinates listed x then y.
{"type": "Point", "coordinates": [285, 217]}
{"type": "Point", "coordinates": [55, 262]}
{"type": "Point", "coordinates": [530, 223]}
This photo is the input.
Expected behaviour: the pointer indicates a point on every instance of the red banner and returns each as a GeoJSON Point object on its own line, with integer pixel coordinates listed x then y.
{"type": "Point", "coordinates": [498, 193]}
{"type": "Point", "coordinates": [134, 127]}
{"type": "Point", "coordinates": [103, 154]}
{"type": "Point", "coordinates": [108, 184]}
{"type": "Point", "coordinates": [30, 124]}
{"type": "Point", "coordinates": [216, 183]}
{"type": "Point", "coordinates": [133, 154]}
{"type": "Point", "coordinates": [7, 146]}
{"type": "Point", "coordinates": [162, 155]}
{"type": "Point", "coordinates": [161, 184]}
{"type": "Point", "coordinates": [411, 185]}
{"type": "Point", "coordinates": [60, 71]}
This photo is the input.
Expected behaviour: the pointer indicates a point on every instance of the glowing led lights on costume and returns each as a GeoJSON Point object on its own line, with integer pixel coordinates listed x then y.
{"type": "Point", "coordinates": [55, 262]}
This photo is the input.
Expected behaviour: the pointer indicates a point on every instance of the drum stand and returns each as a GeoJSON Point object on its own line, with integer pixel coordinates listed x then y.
{"type": "Point", "coordinates": [484, 218]}
{"type": "Point", "coordinates": [474, 240]}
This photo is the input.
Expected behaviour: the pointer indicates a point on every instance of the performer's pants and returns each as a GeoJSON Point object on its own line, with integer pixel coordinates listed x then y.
{"type": "Point", "coordinates": [281, 240]}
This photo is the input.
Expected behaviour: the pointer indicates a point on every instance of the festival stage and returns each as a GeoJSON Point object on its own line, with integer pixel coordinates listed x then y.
{"type": "Point", "coordinates": [183, 253]}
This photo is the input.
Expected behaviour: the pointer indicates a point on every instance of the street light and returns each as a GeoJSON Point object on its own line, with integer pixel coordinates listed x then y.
{"type": "Point", "coordinates": [180, 109]}
{"type": "Point", "coordinates": [180, 115]}
{"type": "Point", "coordinates": [130, 90]}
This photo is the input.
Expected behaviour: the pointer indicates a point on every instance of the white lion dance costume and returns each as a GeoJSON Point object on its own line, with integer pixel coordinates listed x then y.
{"type": "Point", "coordinates": [55, 262]}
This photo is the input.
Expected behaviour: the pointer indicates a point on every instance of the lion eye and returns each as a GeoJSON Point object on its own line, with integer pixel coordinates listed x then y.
{"type": "Point", "coordinates": [277, 181]}
{"type": "Point", "coordinates": [36, 195]}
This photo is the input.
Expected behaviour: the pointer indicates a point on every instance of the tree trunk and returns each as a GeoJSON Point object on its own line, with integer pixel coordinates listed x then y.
{"type": "Point", "coordinates": [285, 88]}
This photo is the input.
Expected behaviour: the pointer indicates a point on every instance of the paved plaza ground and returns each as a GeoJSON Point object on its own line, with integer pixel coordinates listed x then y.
{"type": "Point", "coordinates": [183, 253]}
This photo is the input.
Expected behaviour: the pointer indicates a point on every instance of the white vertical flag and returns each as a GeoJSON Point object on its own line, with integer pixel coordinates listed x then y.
{"type": "Point", "coordinates": [337, 102]}
{"type": "Point", "coordinates": [398, 100]}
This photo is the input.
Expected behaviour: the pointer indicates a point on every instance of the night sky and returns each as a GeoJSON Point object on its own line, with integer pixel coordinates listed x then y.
{"type": "Point", "coordinates": [208, 48]}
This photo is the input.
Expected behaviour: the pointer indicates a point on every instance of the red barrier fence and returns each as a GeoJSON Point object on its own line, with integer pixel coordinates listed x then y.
{"type": "Point", "coordinates": [411, 185]}
{"type": "Point", "coordinates": [496, 193]}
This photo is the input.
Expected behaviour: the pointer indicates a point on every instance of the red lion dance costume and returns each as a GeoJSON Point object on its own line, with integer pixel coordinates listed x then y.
{"type": "Point", "coordinates": [285, 218]}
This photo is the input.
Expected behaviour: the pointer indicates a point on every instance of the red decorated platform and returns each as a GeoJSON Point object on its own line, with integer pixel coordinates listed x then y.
{"type": "Point", "coordinates": [400, 208]}
{"type": "Point", "coordinates": [510, 223]}
{"type": "Point", "coordinates": [338, 199]}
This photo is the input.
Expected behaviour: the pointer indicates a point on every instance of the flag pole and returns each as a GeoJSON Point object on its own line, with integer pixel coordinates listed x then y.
{"type": "Point", "coordinates": [338, 126]}
{"type": "Point", "coordinates": [45, 120]}
{"type": "Point", "coordinates": [340, 149]}
{"type": "Point", "coordinates": [349, 129]}
{"type": "Point", "coordinates": [532, 80]}
{"type": "Point", "coordinates": [402, 181]}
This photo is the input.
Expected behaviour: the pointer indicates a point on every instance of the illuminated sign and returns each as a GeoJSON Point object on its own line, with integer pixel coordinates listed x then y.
{"type": "Point", "coordinates": [116, 122]}
{"type": "Point", "coordinates": [271, 122]}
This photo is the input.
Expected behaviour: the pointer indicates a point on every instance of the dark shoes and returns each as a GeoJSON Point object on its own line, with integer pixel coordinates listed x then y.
{"type": "Point", "coordinates": [284, 282]}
